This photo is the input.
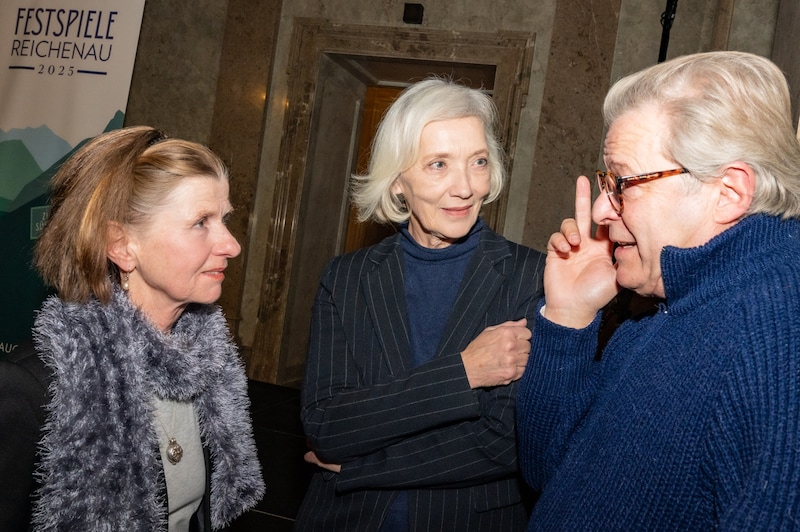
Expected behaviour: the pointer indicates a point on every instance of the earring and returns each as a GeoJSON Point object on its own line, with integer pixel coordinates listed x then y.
{"type": "Point", "coordinates": [400, 201]}
{"type": "Point", "coordinates": [125, 278]}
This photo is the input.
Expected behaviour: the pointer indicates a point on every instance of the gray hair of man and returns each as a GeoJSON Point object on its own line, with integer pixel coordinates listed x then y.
{"type": "Point", "coordinates": [722, 107]}
{"type": "Point", "coordinates": [395, 147]}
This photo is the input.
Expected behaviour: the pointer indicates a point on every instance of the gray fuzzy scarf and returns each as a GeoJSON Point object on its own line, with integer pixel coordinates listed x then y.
{"type": "Point", "coordinates": [100, 467]}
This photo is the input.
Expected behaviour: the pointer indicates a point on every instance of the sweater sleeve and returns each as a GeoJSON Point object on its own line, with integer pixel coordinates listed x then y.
{"type": "Point", "coordinates": [754, 428]}
{"type": "Point", "coordinates": [555, 392]}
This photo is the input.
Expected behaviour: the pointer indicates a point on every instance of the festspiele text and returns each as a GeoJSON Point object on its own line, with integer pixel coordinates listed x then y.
{"type": "Point", "coordinates": [66, 23]}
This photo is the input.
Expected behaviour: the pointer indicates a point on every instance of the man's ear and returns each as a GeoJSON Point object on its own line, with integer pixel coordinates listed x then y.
{"type": "Point", "coordinates": [737, 187]}
{"type": "Point", "coordinates": [118, 247]}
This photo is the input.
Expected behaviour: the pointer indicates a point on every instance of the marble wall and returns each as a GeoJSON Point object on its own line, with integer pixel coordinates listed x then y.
{"type": "Point", "coordinates": [175, 75]}
{"type": "Point", "coordinates": [216, 71]}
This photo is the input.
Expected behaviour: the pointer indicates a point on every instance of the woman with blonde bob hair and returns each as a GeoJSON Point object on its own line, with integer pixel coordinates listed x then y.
{"type": "Point", "coordinates": [417, 342]}
{"type": "Point", "coordinates": [131, 404]}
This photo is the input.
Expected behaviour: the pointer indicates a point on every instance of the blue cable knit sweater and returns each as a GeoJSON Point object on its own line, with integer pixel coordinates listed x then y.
{"type": "Point", "coordinates": [691, 420]}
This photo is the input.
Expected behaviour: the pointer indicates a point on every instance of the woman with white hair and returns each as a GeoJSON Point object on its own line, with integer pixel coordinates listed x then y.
{"type": "Point", "coordinates": [417, 342]}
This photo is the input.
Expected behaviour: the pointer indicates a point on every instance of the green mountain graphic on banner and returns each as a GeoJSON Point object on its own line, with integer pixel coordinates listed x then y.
{"type": "Point", "coordinates": [22, 153]}
{"type": "Point", "coordinates": [18, 168]}
{"type": "Point", "coordinates": [45, 146]}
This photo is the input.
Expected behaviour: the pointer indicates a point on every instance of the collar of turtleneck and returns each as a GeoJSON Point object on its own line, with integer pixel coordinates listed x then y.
{"type": "Point", "coordinates": [462, 246]}
{"type": "Point", "coordinates": [692, 275]}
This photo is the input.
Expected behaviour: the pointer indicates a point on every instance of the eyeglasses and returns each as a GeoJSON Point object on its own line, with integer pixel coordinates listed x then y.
{"type": "Point", "coordinates": [613, 185]}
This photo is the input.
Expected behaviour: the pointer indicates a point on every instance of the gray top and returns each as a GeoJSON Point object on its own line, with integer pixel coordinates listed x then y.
{"type": "Point", "coordinates": [186, 479]}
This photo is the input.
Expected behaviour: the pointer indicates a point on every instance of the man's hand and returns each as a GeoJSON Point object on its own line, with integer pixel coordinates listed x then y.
{"type": "Point", "coordinates": [579, 276]}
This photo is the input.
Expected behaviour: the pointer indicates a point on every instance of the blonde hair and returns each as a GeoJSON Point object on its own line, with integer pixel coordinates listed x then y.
{"type": "Point", "coordinates": [120, 176]}
{"type": "Point", "coordinates": [396, 143]}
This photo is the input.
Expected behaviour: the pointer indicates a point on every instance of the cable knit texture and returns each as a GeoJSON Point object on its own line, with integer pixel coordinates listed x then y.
{"type": "Point", "coordinates": [100, 467]}
{"type": "Point", "coordinates": [691, 420]}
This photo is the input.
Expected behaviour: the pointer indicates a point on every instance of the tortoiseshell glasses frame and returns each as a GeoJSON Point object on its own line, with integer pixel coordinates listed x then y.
{"type": "Point", "coordinates": [613, 185]}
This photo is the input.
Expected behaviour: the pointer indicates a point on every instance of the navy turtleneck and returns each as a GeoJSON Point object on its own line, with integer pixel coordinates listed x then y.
{"type": "Point", "coordinates": [432, 280]}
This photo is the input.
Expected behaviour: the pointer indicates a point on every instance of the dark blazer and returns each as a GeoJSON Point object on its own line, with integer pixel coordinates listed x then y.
{"type": "Point", "coordinates": [24, 380]}
{"type": "Point", "coordinates": [23, 396]}
{"type": "Point", "coordinates": [395, 427]}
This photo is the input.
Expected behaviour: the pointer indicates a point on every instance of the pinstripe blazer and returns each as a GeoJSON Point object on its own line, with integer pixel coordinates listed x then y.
{"type": "Point", "coordinates": [395, 427]}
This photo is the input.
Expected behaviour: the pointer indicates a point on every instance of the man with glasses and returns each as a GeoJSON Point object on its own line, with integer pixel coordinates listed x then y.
{"type": "Point", "coordinates": [689, 419]}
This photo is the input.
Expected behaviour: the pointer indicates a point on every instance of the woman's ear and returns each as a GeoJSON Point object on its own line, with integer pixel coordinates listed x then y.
{"type": "Point", "coordinates": [396, 188]}
{"type": "Point", "coordinates": [737, 187]}
{"type": "Point", "coordinates": [118, 247]}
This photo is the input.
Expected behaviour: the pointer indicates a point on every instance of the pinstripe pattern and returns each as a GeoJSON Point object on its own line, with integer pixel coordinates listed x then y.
{"type": "Point", "coordinates": [421, 429]}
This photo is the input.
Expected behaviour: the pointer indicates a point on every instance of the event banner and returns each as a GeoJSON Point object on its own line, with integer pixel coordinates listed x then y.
{"type": "Point", "coordinates": [65, 73]}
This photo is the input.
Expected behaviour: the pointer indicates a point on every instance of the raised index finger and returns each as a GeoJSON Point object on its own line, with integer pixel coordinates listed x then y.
{"type": "Point", "coordinates": [583, 207]}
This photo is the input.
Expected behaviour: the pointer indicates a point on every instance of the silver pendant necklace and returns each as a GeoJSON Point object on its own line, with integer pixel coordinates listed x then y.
{"type": "Point", "coordinates": [174, 449]}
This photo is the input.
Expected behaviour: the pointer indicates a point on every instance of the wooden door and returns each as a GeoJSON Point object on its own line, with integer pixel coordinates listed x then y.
{"type": "Point", "coordinates": [367, 233]}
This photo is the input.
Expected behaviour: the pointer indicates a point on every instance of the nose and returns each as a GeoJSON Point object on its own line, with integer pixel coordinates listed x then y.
{"type": "Point", "coordinates": [228, 245]}
{"type": "Point", "coordinates": [461, 186]}
{"type": "Point", "coordinates": [603, 212]}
